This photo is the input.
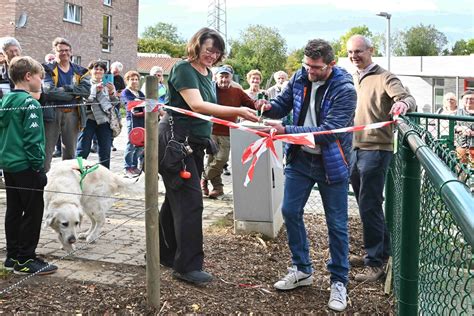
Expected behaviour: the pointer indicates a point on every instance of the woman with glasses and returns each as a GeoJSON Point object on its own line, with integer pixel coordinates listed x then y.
{"type": "Point", "coordinates": [99, 104]}
{"type": "Point", "coordinates": [450, 104]}
{"type": "Point", "coordinates": [190, 87]}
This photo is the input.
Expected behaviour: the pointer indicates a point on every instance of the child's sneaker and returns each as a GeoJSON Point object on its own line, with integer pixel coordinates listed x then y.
{"type": "Point", "coordinates": [37, 266]}
{"type": "Point", "coordinates": [9, 264]}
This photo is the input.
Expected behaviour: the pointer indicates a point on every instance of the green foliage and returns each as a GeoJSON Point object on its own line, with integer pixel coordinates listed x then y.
{"type": "Point", "coordinates": [420, 40]}
{"type": "Point", "coordinates": [463, 47]}
{"type": "Point", "coordinates": [161, 46]}
{"type": "Point", "coordinates": [162, 38]}
{"type": "Point", "coordinates": [340, 46]}
{"type": "Point", "coordinates": [163, 31]}
{"type": "Point", "coordinates": [293, 62]}
{"type": "Point", "coordinates": [258, 47]}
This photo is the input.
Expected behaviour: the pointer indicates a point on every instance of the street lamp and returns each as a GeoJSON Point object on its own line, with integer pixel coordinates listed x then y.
{"type": "Point", "coordinates": [387, 49]}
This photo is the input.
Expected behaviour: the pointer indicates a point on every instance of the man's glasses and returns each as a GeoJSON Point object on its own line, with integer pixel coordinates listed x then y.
{"type": "Point", "coordinates": [210, 52]}
{"type": "Point", "coordinates": [310, 67]}
{"type": "Point", "coordinates": [356, 52]}
{"type": "Point", "coordinates": [61, 51]}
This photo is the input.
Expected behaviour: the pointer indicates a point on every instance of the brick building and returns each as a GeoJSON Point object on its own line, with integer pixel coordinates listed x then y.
{"type": "Point", "coordinates": [97, 29]}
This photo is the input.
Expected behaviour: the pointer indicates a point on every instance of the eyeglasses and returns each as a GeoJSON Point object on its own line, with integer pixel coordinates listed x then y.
{"type": "Point", "coordinates": [310, 67]}
{"type": "Point", "coordinates": [210, 52]}
{"type": "Point", "coordinates": [63, 50]}
{"type": "Point", "coordinates": [356, 52]}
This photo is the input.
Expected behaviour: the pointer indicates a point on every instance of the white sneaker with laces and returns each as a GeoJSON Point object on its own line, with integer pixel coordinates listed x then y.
{"type": "Point", "coordinates": [338, 298]}
{"type": "Point", "coordinates": [294, 279]}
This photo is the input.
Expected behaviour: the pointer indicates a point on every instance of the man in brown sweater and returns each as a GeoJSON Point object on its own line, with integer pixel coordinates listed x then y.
{"type": "Point", "coordinates": [380, 94]}
{"type": "Point", "coordinates": [229, 96]}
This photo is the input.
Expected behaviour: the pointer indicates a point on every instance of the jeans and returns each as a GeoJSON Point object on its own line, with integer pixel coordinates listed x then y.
{"type": "Point", "coordinates": [300, 176]}
{"type": "Point", "coordinates": [132, 153]}
{"type": "Point", "coordinates": [368, 171]}
{"type": "Point", "coordinates": [104, 141]}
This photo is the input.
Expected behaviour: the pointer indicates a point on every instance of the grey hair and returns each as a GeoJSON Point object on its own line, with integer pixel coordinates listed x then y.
{"type": "Point", "coordinates": [117, 64]}
{"type": "Point", "coordinates": [155, 69]}
{"type": "Point", "coordinates": [9, 41]}
{"type": "Point", "coordinates": [367, 42]}
{"type": "Point", "coordinates": [279, 73]}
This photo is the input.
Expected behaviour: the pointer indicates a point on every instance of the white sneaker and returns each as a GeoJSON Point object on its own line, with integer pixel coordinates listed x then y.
{"type": "Point", "coordinates": [338, 298]}
{"type": "Point", "coordinates": [293, 279]}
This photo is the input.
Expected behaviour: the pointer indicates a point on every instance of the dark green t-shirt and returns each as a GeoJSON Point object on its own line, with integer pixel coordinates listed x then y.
{"type": "Point", "coordinates": [184, 76]}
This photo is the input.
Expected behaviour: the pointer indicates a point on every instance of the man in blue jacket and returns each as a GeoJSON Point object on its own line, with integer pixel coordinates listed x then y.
{"type": "Point", "coordinates": [322, 97]}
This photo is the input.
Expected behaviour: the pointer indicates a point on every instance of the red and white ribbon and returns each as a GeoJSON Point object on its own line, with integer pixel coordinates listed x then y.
{"type": "Point", "coordinates": [257, 148]}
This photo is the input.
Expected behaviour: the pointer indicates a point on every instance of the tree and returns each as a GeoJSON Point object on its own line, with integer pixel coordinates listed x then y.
{"type": "Point", "coordinates": [159, 46]}
{"type": "Point", "coordinates": [162, 38]}
{"type": "Point", "coordinates": [258, 47]}
{"type": "Point", "coordinates": [463, 47]}
{"type": "Point", "coordinates": [420, 40]}
{"type": "Point", "coordinates": [163, 31]}
{"type": "Point", "coordinates": [293, 62]}
{"type": "Point", "coordinates": [340, 46]}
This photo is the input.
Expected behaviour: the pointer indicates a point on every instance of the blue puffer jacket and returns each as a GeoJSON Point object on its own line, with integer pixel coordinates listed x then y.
{"type": "Point", "coordinates": [337, 111]}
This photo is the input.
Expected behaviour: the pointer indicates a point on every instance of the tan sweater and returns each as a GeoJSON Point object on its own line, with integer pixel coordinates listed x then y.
{"type": "Point", "coordinates": [377, 91]}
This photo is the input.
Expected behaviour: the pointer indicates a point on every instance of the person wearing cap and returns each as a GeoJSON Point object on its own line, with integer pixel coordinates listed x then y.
{"type": "Point", "coordinates": [157, 71]}
{"type": "Point", "coordinates": [229, 96]}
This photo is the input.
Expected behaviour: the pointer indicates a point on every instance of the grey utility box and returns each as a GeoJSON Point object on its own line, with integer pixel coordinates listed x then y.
{"type": "Point", "coordinates": [257, 207]}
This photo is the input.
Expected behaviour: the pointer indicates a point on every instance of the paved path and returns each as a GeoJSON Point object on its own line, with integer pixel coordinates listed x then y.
{"type": "Point", "coordinates": [123, 236]}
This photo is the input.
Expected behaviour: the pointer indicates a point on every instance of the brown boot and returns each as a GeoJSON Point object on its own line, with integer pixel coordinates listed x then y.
{"type": "Point", "coordinates": [204, 187]}
{"type": "Point", "coordinates": [370, 274]}
{"type": "Point", "coordinates": [216, 192]}
{"type": "Point", "coordinates": [356, 261]}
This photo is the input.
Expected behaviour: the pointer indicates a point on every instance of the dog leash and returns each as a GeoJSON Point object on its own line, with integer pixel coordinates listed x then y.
{"type": "Point", "coordinates": [84, 171]}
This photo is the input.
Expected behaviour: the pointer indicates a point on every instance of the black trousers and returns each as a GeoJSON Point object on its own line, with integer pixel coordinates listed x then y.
{"type": "Point", "coordinates": [24, 213]}
{"type": "Point", "coordinates": [181, 240]}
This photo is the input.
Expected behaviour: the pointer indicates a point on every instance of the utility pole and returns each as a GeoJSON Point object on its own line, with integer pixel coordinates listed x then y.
{"type": "Point", "coordinates": [217, 17]}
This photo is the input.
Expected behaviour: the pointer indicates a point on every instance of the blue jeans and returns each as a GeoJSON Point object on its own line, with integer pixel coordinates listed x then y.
{"type": "Point", "coordinates": [368, 171]}
{"type": "Point", "coordinates": [104, 141]}
{"type": "Point", "coordinates": [132, 153]}
{"type": "Point", "coordinates": [300, 176]}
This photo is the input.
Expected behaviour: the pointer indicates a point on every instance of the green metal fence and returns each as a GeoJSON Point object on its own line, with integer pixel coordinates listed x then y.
{"type": "Point", "coordinates": [430, 210]}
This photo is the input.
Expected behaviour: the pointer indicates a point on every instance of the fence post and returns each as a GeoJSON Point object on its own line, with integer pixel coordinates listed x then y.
{"type": "Point", "coordinates": [410, 233]}
{"type": "Point", "coordinates": [151, 195]}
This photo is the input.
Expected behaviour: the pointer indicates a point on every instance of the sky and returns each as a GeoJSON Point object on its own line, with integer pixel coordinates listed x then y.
{"type": "Point", "coordinates": [301, 20]}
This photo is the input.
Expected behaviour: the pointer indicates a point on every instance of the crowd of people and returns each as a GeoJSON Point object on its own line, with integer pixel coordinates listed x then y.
{"type": "Point", "coordinates": [63, 100]}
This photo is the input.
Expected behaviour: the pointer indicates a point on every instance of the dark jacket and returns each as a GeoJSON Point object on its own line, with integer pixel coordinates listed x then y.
{"type": "Point", "coordinates": [73, 93]}
{"type": "Point", "coordinates": [337, 111]}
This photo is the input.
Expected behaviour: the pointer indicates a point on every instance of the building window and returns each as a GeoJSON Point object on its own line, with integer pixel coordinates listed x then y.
{"type": "Point", "coordinates": [108, 2]}
{"type": "Point", "coordinates": [72, 13]}
{"type": "Point", "coordinates": [106, 39]}
{"type": "Point", "coordinates": [438, 97]}
{"type": "Point", "coordinates": [76, 60]}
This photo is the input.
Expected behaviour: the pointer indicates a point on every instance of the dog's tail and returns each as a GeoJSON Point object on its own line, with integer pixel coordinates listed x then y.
{"type": "Point", "coordinates": [129, 187]}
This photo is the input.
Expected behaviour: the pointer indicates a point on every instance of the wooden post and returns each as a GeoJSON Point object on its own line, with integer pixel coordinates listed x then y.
{"type": "Point", "coordinates": [151, 196]}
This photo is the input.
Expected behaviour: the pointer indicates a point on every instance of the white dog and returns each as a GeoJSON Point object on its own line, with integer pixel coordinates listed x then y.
{"type": "Point", "coordinates": [64, 211]}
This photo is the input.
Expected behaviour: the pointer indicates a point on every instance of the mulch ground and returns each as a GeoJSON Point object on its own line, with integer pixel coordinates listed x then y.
{"type": "Point", "coordinates": [244, 267]}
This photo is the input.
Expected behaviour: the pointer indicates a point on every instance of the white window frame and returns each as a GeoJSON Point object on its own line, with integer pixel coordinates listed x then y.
{"type": "Point", "coordinates": [76, 59]}
{"type": "Point", "coordinates": [108, 3]}
{"type": "Point", "coordinates": [109, 28]}
{"type": "Point", "coordinates": [72, 13]}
